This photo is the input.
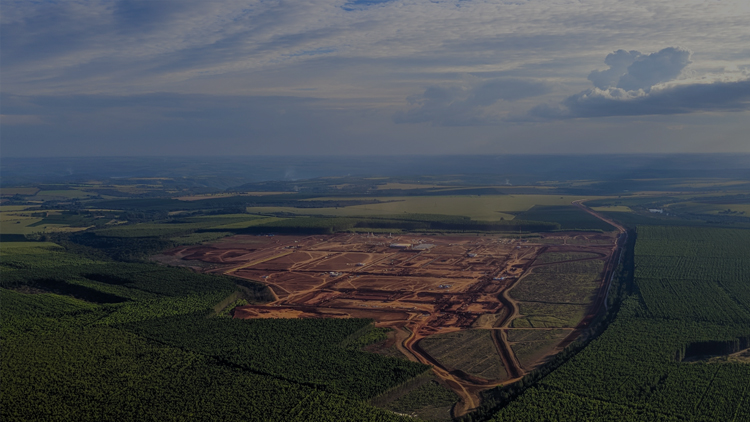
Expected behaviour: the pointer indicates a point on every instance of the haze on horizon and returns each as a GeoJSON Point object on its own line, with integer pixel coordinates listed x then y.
{"type": "Point", "coordinates": [351, 77]}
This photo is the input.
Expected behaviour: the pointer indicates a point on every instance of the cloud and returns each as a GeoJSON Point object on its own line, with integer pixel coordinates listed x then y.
{"type": "Point", "coordinates": [105, 73]}
{"type": "Point", "coordinates": [647, 84]}
{"type": "Point", "coordinates": [618, 66]}
{"type": "Point", "coordinates": [670, 99]}
{"type": "Point", "coordinates": [467, 104]}
{"type": "Point", "coordinates": [649, 70]}
{"type": "Point", "coordinates": [631, 70]}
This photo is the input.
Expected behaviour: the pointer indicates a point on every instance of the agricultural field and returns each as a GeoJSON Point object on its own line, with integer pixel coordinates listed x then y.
{"type": "Point", "coordinates": [478, 207]}
{"type": "Point", "coordinates": [674, 351]}
{"type": "Point", "coordinates": [18, 191]}
{"type": "Point", "coordinates": [712, 207]}
{"type": "Point", "coordinates": [14, 222]}
{"type": "Point", "coordinates": [30, 220]}
{"type": "Point", "coordinates": [613, 208]}
{"type": "Point", "coordinates": [568, 216]}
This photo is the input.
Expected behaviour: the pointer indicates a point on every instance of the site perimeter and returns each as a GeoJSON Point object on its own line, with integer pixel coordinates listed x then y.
{"type": "Point", "coordinates": [432, 290]}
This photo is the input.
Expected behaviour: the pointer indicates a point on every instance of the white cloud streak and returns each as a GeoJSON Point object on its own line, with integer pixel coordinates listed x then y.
{"type": "Point", "coordinates": [139, 45]}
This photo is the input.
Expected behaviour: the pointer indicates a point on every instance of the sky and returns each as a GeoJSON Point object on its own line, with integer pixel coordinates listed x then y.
{"type": "Point", "coordinates": [373, 77]}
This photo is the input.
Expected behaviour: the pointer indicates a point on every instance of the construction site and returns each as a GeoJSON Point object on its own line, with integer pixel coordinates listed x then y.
{"type": "Point", "coordinates": [446, 297]}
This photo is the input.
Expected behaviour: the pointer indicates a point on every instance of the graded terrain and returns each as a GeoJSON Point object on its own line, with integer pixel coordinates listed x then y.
{"type": "Point", "coordinates": [447, 297]}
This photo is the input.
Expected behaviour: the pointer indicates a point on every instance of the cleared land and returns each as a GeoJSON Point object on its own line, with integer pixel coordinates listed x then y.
{"type": "Point", "coordinates": [17, 220]}
{"type": "Point", "coordinates": [470, 351]}
{"type": "Point", "coordinates": [530, 346]}
{"type": "Point", "coordinates": [445, 296]}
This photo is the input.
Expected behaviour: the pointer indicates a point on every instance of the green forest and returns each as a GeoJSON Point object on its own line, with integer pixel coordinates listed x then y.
{"type": "Point", "coordinates": [691, 301]}
{"type": "Point", "coordinates": [90, 339]}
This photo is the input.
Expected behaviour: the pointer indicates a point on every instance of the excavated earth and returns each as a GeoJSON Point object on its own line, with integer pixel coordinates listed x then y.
{"type": "Point", "coordinates": [419, 285]}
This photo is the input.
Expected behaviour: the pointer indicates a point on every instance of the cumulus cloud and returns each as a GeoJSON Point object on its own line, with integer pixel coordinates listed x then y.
{"type": "Point", "coordinates": [631, 70]}
{"type": "Point", "coordinates": [639, 84]}
{"type": "Point", "coordinates": [649, 70]}
{"type": "Point", "coordinates": [466, 104]}
{"type": "Point", "coordinates": [618, 66]}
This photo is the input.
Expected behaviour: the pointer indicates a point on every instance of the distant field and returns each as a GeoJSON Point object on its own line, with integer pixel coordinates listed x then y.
{"type": "Point", "coordinates": [392, 185]}
{"type": "Point", "coordinates": [18, 191]}
{"type": "Point", "coordinates": [183, 226]}
{"type": "Point", "coordinates": [570, 217]}
{"type": "Point", "coordinates": [65, 194]}
{"type": "Point", "coordinates": [484, 207]}
{"type": "Point", "coordinates": [702, 183]}
{"type": "Point", "coordinates": [11, 208]}
{"type": "Point", "coordinates": [226, 195]}
{"type": "Point", "coordinates": [613, 208]}
{"type": "Point", "coordinates": [711, 209]}
{"type": "Point", "coordinates": [251, 221]}
{"type": "Point", "coordinates": [11, 223]}
{"type": "Point", "coordinates": [29, 247]}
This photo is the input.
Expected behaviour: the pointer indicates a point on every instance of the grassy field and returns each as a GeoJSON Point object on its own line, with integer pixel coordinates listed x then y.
{"type": "Point", "coordinates": [710, 209]}
{"type": "Point", "coordinates": [251, 221]}
{"type": "Point", "coordinates": [68, 194]}
{"type": "Point", "coordinates": [484, 207]}
{"type": "Point", "coordinates": [183, 226]}
{"type": "Point", "coordinates": [18, 191]}
{"type": "Point", "coordinates": [193, 238]}
{"type": "Point", "coordinates": [226, 195]}
{"type": "Point", "coordinates": [12, 208]}
{"type": "Point", "coordinates": [548, 315]}
{"type": "Point", "coordinates": [29, 247]}
{"type": "Point", "coordinates": [23, 223]}
{"type": "Point", "coordinates": [613, 208]}
{"type": "Point", "coordinates": [569, 217]}
{"type": "Point", "coordinates": [471, 351]}
{"type": "Point", "coordinates": [12, 223]}
{"type": "Point", "coordinates": [703, 183]}
{"type": "Point", "coordinates": [530, 345]}
{"type": "Point", "coordinates": [405, 186]}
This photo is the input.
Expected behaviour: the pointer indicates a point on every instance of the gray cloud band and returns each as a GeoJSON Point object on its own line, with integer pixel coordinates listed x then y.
{"type": "Point", "coordinates": [678, 99]}
{"type": "Point", "coordinates": [634, 85]}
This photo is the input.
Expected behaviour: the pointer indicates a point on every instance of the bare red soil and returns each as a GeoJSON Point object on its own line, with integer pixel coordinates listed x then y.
{"type": "Point", "coordinates": [446, 284]}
